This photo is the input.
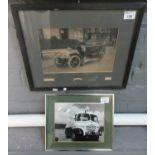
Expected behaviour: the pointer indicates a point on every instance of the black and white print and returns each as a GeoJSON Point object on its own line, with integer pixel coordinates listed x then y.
{"type": "Point", "coordinates": [79, 122]}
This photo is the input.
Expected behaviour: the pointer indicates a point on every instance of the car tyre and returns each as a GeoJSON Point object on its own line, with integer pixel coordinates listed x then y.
{"type": "Point", "coordinates": [57, 62]}
{"type": "Point", "coordinates": [74, 61]}
{"type": "Point", "coordinates": [96, 138]}
{"type": "Point", "coordinates": [74, 136]}
{"type": "Point", "coordinates": [68, 133]}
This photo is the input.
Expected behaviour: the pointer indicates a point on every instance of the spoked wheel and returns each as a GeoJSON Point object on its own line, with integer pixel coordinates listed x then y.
{"type": "Point", "coordinates": [57, 62]}
{"type": "Point", "coordinates": [74, 61]}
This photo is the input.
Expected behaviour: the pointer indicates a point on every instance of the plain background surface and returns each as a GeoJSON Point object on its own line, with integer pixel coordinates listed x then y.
{"type": "Point", "coordinates": [126, 140]}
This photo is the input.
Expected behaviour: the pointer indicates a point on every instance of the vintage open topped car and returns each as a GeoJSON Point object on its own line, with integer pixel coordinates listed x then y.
{"type": "Point", "coordinates": [76, 54]}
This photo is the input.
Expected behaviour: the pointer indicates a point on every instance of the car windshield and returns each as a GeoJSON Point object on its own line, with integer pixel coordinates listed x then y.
{"type": "Point", "coordinates": [87, 117]}
{"type": "Point", "coordinates": [94, 118]}
{"type": "Point", "coordinates": [83, 117]}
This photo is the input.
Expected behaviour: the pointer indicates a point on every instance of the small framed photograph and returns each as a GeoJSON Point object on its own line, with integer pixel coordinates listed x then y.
{"type": "Point", "coordinates": [79, 122]}
{"type": "Point", "coordinates": [77, 45]}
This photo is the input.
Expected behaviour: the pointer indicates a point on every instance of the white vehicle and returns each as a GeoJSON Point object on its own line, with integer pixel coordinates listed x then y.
{"type": "Point", "coordinates": [84, 125]}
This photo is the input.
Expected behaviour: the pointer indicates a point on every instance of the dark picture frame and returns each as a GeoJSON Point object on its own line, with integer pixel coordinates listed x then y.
{"type": "Point", "coordinates": [117, 78]}
{"type": "Point", "coordinates": [79, 110]}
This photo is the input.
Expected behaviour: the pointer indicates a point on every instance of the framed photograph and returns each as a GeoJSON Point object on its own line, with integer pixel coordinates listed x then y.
{"type": "Point", "coordinates": [79, 122]}
{"type": "Point", "coordinates": [77, 45]}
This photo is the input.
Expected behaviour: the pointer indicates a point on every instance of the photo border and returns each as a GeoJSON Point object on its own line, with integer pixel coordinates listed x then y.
{"type": "Point", "coordinates": [51, 99]}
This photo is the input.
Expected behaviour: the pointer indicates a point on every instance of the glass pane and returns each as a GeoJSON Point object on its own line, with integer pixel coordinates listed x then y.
{"type": "Point", "coordinates": [77, 50]}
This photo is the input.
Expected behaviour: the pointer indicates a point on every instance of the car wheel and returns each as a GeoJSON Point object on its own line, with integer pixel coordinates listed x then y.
{"type": "Point", "coordinates": [96, 138]}
{"type": "Point", "coordinates": [74, 136]}
{"type": "Point", "coordinates": [57, 62]}
{"type": "Point", "coordinates": [74, 61]}
{"type": "Point", "coordinates": [68, 132]}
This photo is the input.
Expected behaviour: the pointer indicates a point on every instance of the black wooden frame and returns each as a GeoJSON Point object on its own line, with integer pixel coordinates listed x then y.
{"type": "Point", "coordinates": [139, 6]}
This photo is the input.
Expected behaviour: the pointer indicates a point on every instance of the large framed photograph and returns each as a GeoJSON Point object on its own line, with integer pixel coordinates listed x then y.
{"type": "Point", "coordinates": [79, 122]}
{"type": "Point", "coordinates": [77, 46]}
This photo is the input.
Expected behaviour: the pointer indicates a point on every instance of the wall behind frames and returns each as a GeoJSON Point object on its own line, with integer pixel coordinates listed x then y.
{"type": "Point", "coordinates": [23, 101]}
